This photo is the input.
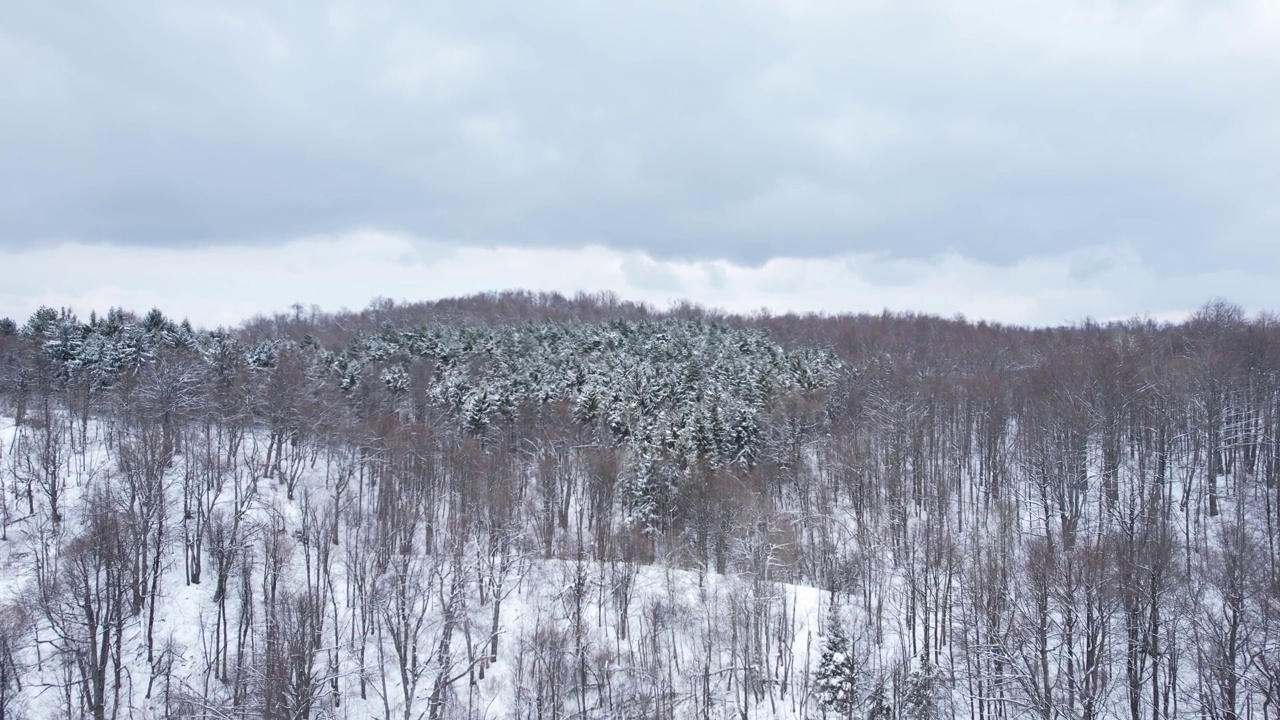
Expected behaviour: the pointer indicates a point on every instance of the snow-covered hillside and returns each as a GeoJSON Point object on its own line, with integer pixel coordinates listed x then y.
{"type": "Point", "coordinates": [313, 607]}
{"type": "Point", "coordinates": [666, 518]}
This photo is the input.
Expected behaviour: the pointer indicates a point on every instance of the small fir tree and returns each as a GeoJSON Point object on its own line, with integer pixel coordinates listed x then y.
{"type": "Point", "coordinates": [920, 701]}
{"type": "Point", "coordinates": [879, 707]}
{"type": "Point", "coordinates": [837, 678]}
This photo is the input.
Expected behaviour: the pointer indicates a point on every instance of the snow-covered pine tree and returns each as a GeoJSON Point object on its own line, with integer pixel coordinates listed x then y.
{"type": "Point", "coordinates": [921, 699]}
{"type": "Point", "coordinates": [878, 705]}
{"type": "Point", "coordinates": [837, 677]}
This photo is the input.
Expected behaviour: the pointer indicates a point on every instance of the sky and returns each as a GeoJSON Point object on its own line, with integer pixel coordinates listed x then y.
{"type": "Point", "coordinates": [1033, 163]}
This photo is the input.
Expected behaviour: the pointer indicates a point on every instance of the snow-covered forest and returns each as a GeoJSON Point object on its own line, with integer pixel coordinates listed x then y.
{"type": "Point", "coordinates": [529, 506]}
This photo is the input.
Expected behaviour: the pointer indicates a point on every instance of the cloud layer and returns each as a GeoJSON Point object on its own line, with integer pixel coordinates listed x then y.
{"type": "Point", "coordinates": [224, 285]}
{"type": "Point", "coordinates": [993, 133]}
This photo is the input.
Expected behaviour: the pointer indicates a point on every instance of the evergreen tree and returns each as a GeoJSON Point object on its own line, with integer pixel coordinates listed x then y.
{"type": "Point", "coordinates": [41, 321]}
{"type": "Point", "coordinates": [155, 321]}
{"type": "Point", "coordinates": [920, 702]}
{"type": "Point", "coordinates": [879, 707]}
{"type": "Point", "coordinates": [837, 677]}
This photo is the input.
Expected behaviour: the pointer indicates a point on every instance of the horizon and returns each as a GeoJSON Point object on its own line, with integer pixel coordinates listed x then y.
{"type": "Point", "coordinates": [313, 312]}
{"type": "Point", "coordinates": [347, 273]}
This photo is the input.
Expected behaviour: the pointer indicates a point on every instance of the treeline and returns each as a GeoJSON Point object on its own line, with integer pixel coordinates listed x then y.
{"type": "Point", "coordinates": [1076, 522]}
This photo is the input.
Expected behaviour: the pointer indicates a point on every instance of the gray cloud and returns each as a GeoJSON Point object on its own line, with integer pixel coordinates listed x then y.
{"type": "Point", "coordinates": [732, 129]}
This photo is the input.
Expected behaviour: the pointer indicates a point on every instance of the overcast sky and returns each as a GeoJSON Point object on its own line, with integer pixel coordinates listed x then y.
{"type": "Point", "coordinates": [1031, 162]}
